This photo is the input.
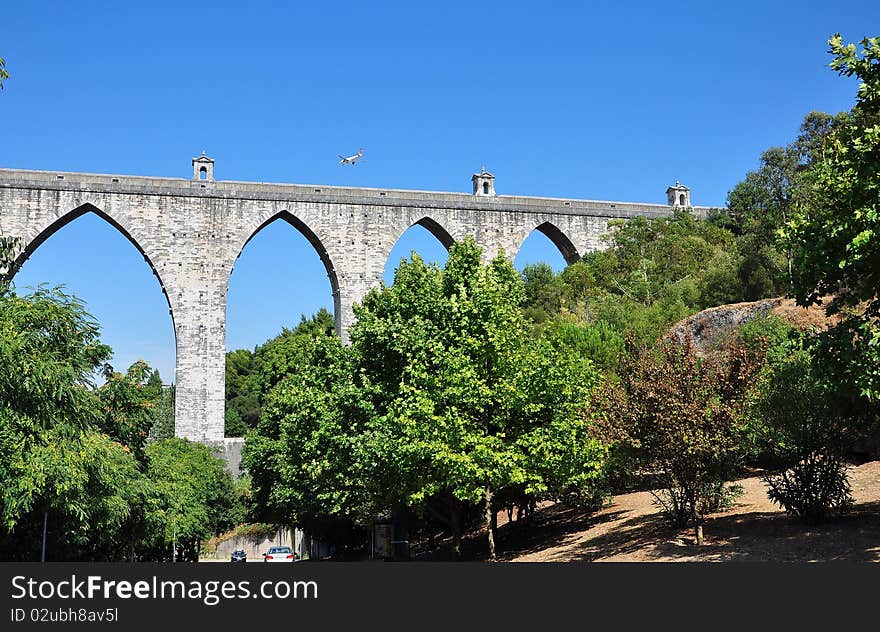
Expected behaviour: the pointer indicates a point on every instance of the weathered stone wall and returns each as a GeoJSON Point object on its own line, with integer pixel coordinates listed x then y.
{"type": "Point", "coordinates": [192, 232]}
{"type": "Point", "coordinates": [255, 545]}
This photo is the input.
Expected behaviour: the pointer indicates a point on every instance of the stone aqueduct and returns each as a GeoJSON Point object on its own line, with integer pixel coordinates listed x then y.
{"type": "Point", "coordinates": [191, 232]}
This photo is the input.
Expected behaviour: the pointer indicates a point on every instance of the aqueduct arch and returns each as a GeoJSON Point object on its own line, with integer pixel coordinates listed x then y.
{"type": "Point", "coordinates": [311, 237]}
{"type": "Point", "coordinates": [433, 227]}
{"type": "Point", "coordinates": [31, 242]}
{"type": "Point", "coordinates": [192, 231]}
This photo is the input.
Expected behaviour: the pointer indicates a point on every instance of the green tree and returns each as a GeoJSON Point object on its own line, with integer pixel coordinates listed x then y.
{"type": "Point", "coordinates": [542, 292]}
{"type": "Point", "coordinates": [279, 356]}
{"type": "Point", "coordinates": [190, 497]}
{"type": "Point", "coordinates": [3, 74]}
{"type": "Point", "coordinates": [250, 375]}
{"type": "Point", "coordinates": [442, 401]}
{"type": "Point", "coordinates": [600, 342]}
{"type": "Point", "coordinates": [58, 470]}
{"type": "Point", "coordinates": [154, 383]}
{"type": "Point", "coordinates": [445, 353]}
{"type": "Point", "coordinates": [163, 415]}
{"type": "Point", "coordinates": [764, 202]}
{"type": "Point", "coordinates": [563, 457]}
{"type": "Point", "coordinates": [54, 466]}
{"type": "Point", "coordinates": [304, 456]}
{"type": "Point", "coordinates": [242, 396]}
{"type": "Point", "coordinates": [836, 225]}
{"type": "Point", "coordinates": [86, 488]}
{"type": "Point", "coordinates": [49, 350]}
{"type": "Point", "coordinates": [653, 273]}
{"type": "Point", "coordinates": [128, 402]}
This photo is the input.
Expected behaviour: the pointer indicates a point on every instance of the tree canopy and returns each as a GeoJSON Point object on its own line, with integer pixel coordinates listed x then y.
{"type": "Point", "coordinates": [76, 455]}
{"type": "Point", "coordinates": [836, 225]}
{"type": "Point", "coordinates": [442, 400]}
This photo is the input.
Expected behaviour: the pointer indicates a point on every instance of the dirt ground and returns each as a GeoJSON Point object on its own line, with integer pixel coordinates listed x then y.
{"type": "Point", "coordinates": [631, 528]}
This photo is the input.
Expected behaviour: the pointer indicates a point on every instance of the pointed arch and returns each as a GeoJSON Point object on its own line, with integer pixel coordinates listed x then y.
{"type": "Point", "coordinates": [34, 243]}
{"type": "Point", "coordinates": [561, 241]}
{"type": "Point", "coordinates": [315, 242]}
{"type": "Point", "coordinates": [437, 230]}
{"type": "Point", "coordinates": [402, 242]}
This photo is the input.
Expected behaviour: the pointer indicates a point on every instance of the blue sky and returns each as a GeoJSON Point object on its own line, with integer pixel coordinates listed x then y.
{"type": "Point", "coordinates": [580, 100]}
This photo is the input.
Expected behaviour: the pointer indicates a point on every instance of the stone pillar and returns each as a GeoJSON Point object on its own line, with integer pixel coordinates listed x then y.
{"type": "Point", "coordinates": [357, 269]}
{"type": "Point", "coordinates": [352, 289]}
{"type": "Point", "coordinates": [200, 326]}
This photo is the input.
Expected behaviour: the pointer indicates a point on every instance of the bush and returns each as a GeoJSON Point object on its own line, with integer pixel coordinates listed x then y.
{"type": "Point", "coordinates": [804, 435]}
{"type": "Point", "coordinates": [682, 416]}
{"type": "Point", "coordinates": [813, 488]}
{"type": "Point", "coordinates": [714, 496]}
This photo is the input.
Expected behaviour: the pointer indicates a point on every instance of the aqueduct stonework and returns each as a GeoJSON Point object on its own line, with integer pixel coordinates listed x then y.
{"type": "Point", "coordinates": [191, 232]}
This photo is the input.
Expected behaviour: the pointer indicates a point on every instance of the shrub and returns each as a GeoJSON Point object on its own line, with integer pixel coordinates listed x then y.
{"type": "Point", "coordinates": [813, 488]}
{"type": "Point", "coordinates": [802, 430]}
{"type": "Point", "coordinates": [682, 415]}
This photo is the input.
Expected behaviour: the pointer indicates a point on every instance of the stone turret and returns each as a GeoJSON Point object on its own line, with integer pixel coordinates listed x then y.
{"type": "Point", "coordinates": [678, 195]}
{"type": "Point", "coordinates": [484, 183]}
{"type": "Point", "coordinates": [203, 168]}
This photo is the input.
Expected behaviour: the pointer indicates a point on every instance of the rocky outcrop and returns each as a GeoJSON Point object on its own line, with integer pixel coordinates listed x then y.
{"type": "Point", "coordinates": [712, 327]}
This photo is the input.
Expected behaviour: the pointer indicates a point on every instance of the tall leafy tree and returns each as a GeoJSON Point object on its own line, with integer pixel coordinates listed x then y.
{"type": "Point", "coordinates": [49, 351]}
{"type": "Point", "coordinates": [163, 415]}
{"type": "Point", "coordinates": [446, 355]}
{"type": "Point", "coordinates": [251, 374]}
{"type": "Point", "coordinates": [441, 402]}
{"type": "Point", "coordinates": [764, 202]}
{"type": "Point", "coordinates": [189, 497]}
{"type": "Point", "coordinates": [542, 292]}
{"type": "Point", "coordinates": [303, 456]}
{"type": "Point", "coordinates": [837, 225]}
{"type": "Point", "coordinates": [68, 467]}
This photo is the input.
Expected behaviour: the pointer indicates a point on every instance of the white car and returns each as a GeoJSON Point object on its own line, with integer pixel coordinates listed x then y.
{"type": "Point", "coordinates": [279, 554]}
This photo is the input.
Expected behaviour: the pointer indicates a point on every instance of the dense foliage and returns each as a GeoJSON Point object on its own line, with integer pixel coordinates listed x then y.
{"type": "Point", "coordinates": [76, 458]}
{"type": "Point", "coordinates": [653, 273]}
{"type": "Point", "coordinates": [837, 226]}
{"type": "Point", "coordinates": [804, 434]}
{"type": "Point", "coordinates": [467, 385]}
{"type": "Point", "coordinates": [251, 374]}
{"type": "Point", "coordinates": [441, 401]}
{"type": "Point", "coordinates": [473, 388]}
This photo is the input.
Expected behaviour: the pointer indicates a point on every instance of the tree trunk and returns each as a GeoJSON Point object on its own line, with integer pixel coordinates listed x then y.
{"type": "Point", "coordinates": [45, 524]}
{"type": "Point", "coordinates": [490, 527]}
{"type": "Point", "coordinates": [699, 533]}
{"type": "Point", "coordinates": [455, 525]}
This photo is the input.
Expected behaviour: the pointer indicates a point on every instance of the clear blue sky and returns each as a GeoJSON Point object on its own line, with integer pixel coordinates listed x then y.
{"type": "Point", "coordinates": [582, 100]}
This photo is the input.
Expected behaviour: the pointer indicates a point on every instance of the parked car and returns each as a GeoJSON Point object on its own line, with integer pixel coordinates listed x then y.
{"type": "Point", "coordinates": [238, 556]}
{"type": "Point", "coordinates": [279, 554]}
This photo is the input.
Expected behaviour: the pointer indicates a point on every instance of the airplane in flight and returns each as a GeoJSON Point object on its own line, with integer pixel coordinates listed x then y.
{"type": "Point", "coordinates": [350, 160]}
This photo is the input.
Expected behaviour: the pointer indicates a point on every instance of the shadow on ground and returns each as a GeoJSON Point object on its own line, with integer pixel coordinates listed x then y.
{"type": "Point", "coordinates": [561, 533]}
